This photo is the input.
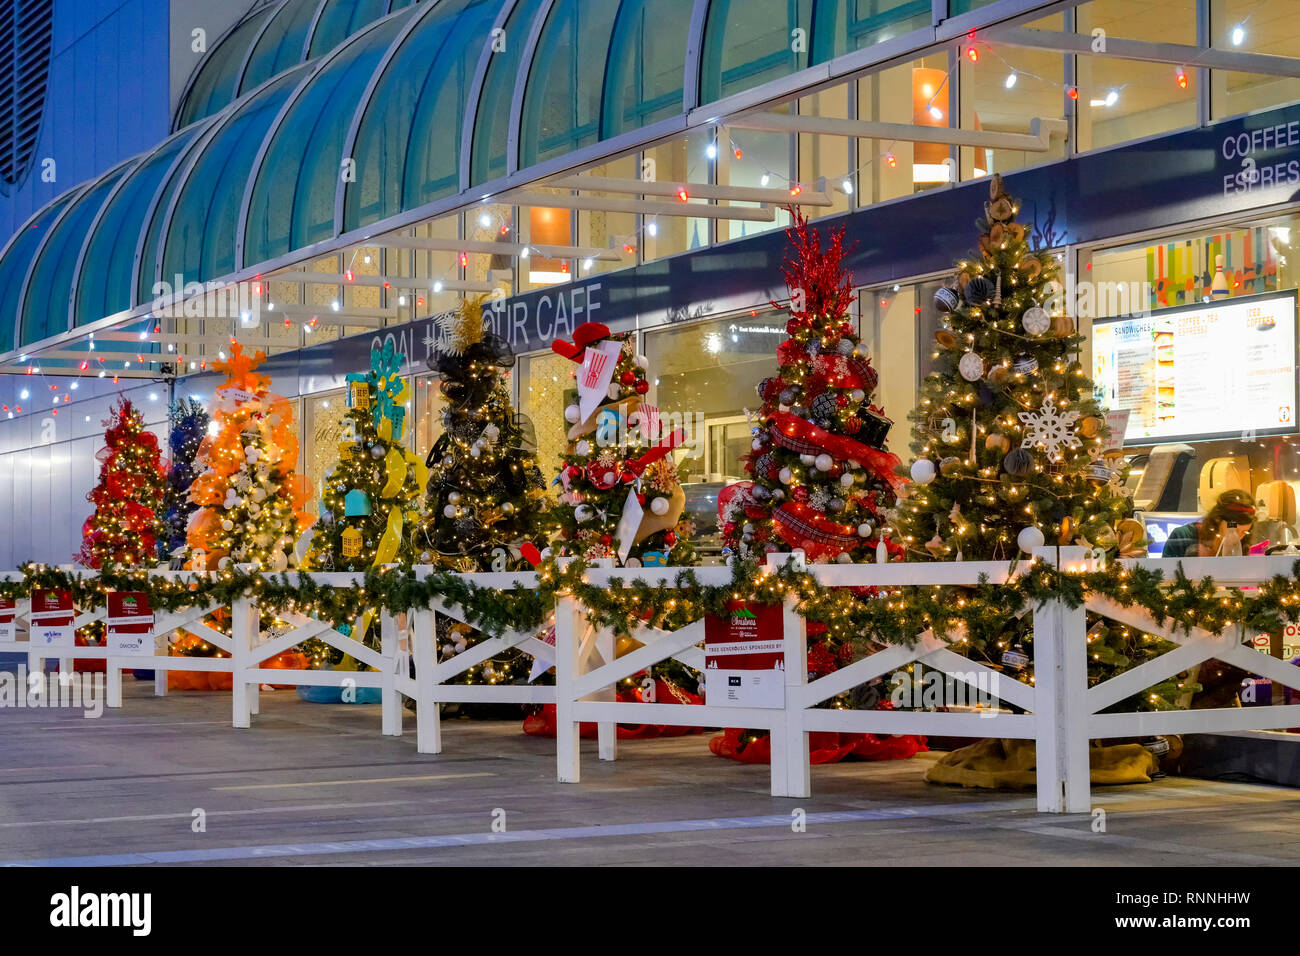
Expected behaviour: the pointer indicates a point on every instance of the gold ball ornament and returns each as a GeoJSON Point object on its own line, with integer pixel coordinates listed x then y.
{"type": "Point", "coordinates": [998, 442]}
{"type": "Point", "coordinates": [1090, 426]}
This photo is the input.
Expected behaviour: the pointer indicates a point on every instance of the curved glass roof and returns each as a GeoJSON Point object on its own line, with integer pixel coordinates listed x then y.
{"type": "Point", "coordinates": [45, 306]}
{"type": "Point", "coordinates": [198, 241]}
{"type": "Point", "coordinates": [17, 259]}
{"type": "Point", "coordinates": [407, 108]}
{"type": "Point", "coordinates": [104, 285]}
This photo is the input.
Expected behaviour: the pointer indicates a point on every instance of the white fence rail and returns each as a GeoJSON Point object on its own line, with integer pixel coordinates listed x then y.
{"type": "Point", "coordinates": [1060, 713]}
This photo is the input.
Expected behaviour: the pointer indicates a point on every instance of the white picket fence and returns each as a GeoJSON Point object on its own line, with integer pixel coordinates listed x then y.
{"type": "Point", "coordinates": [1060, 712]}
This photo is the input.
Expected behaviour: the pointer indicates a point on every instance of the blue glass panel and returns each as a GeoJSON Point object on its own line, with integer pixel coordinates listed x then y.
{"type": "Point", "coordinates": [153, 230]}
{"type": "Point", "coordinates": [750, 42]}
{"type": "Point", "coordinates": [14, 265]}
{"type": "Point", "coordinates": [104, 286]}
{"type": "Point", "coordinates": [342, 18]}
{"type": "Point", "coordinates": [293, 197]}
{"type": "Point", "coordinates": [281, 46]}
{"type": "Point", "coordinates": [200, 241]}
{"type": "Point", "coordinates": [216, 84]}
{"type": "Point", "coordinates": [49, 291]}
{"type": "Point", "coordinates": [408, 143]}
{"type": "Point", "coordinates": [492, 121]}
{"type": "Point", "coordinates": [565, 80]}
{"type": "Point", "coordinates": [842, 26]}
{"type": "Point", "coordinates": [647, 64]}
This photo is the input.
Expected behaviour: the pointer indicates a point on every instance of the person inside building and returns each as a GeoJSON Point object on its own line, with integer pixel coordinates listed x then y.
{"type": "Point", "coordinates": [1234, 508]}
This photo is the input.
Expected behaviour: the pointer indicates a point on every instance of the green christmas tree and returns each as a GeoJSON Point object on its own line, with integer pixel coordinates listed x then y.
{"type": "Point", "coordinates": [1009, 441]}
{"type": "Point", "coordinates": [370, 503]}
{"type": "Point", "coordinates": [486, 496]}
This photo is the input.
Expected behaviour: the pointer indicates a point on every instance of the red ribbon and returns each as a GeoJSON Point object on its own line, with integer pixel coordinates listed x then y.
{"type": "Point", "coordinates": [800, 435]}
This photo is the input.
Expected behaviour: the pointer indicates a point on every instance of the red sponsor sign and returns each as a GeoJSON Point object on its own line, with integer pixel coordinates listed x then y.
{"type": "Point", "coordinates": [744, 656]}
{"type": "Point", "coordinates": [8, 611]}
{"type": "Point", "coordinates": [51, 619]}
{"type": "Point", "coordinates": [130, 622]}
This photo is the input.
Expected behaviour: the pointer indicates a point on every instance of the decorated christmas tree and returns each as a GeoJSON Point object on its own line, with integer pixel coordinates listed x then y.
{"type": "Point", "coordinates": [189, 426]}
{"type": "Point", "coordinates": [126, 525]}
{"type": "Point", "coordinates": [822, 479]}
{"type": "Point", "coordinates": [250, 497]}
{"type": "Point", "coordinates": [1008, 437]}
{"type": "Point", "coordinates": [620, 495]}
{"type": "Point", "coordinates": [370, 503]}
{"type": "Point", "coordinates": [486, 497]}
{"type": "Point", "coordinates": [1010, 446]}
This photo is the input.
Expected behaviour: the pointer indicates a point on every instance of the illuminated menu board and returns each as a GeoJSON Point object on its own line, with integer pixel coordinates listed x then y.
{"type": "Point", "coordinates": [1211, 370]}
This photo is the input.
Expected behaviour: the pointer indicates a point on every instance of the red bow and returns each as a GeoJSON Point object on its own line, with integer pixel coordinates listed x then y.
{"type": "Point", "coordinates": [584, 335]}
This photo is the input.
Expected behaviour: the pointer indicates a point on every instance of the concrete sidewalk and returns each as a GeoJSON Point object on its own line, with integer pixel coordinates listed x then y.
{"type": "Point", "coordinates": [313, 785]}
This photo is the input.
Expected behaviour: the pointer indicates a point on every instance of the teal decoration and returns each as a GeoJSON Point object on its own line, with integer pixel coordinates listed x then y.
{"type": "Point", "coordinates": [654, 559]}
{"type": "Point", "coordinates": [386, 368]}
{"type": "Point", "coordinates": [356, 504]}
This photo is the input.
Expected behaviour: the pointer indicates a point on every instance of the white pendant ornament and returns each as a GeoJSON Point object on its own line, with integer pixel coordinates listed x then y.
{"type": "Point", "coordinates": [865, 529]}
{"type": "Point", "coordinates": [846, 479]}
{"type": "Point", "coordinates": [843, 558]}
{"type": "Point", "coordinates": [454, 497]}
{"type": "Point", "coordinates": [824, 462]}
{"type": "Point", "coordinates": [659, 506]}
{"type": "Point", "coordinates": [785, 476]}
{"type": "Point", "coordinates": [756, 444]}
{"type": "Point", "coordinates": [584, 513]}
{"type": "Point", "coordinates": [807, 459]}
{"type": "Point", "coordinates": [1029, 539]}
{"type": "Point", "coordinates": [582, 448]}
{"type": "Point", "coordinates": [923, 471]}
{"type": "Point", "coordinates": [857, 395]}
{"type": "Point", "coordinates": [971, 367]}
{"type": "Point", "coordinates": [449, 511]}
{"type": "Point", "coordinates": [571, 414]}
{"type": "Point", "coordinates": [1036, 321]}
{"type": "Point", "coordinates": [614, 391]}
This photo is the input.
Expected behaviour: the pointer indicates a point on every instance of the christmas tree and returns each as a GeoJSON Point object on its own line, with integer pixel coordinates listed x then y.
{"type": "Point", "coordinates": [126, 525]}
{"type": "Point", "coordinates": [1010, 444]}
{"type": "Point", "coordinates": [370, 502]}
{"type": "Point", "coordinates": [621, 498]}
{"type": "Point", "coordinates": [250, 498]}
{"type": "Point", "coordinates": [822, 479]}
{"type": "Point", "coordinates": [486, 496]}
{"type": "Point", "coordinates": [1008, 436]}
{"type": "Point", "coordinates": [189, 426]}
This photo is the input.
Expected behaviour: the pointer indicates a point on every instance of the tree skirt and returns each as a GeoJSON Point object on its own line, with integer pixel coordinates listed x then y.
{"type": "Point", "coordinates": [542, 723]}
{"type": "Point", "coordinates": [994, 764]}
{"type": "Point", "coordinates": [823, 746]}
{"type": "Point", "coordinates": [216, 680]}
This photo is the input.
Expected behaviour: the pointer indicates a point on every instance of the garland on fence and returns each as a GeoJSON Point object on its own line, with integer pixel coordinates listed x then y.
{"type": "Point", "coordinates": [889, 615]}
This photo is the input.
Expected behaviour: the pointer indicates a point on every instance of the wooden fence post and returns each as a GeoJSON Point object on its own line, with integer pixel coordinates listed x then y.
{"type": "Point", "coordinates": [1060, 689]}
{"type": "Point", "coordinates": [245, 625]}
{"type": "Point", "coordinates": [568, 625]}
{"type": "Point", "coordinates": [606, 731]}
{"type": "Point", "coordinates": [390, 704]}
{"type": "Point", "coordinates": [428, 718]}
{"type": "Point", "coordinates": [791, 776]}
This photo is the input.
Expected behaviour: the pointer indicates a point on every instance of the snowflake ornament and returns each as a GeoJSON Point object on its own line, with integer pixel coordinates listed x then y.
{"type": "Point", "coordinates": [819, 498]}
{"type": "Point", "coordinates": [1050, 429]}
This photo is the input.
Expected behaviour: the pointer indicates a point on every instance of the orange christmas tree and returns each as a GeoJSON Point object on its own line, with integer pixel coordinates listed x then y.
{"type": "Point", "coordinates": [251, 499]}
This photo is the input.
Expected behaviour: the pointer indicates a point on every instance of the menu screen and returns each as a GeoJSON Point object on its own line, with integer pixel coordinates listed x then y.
{"type": "Point", "coordinates": [1212, 370]}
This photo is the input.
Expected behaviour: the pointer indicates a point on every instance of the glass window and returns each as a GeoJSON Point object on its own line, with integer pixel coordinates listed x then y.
{"type": "Point", "coordinates": [1122, 100]}
{"type": "Point", "coordinates": [339, 19]}
{"type": "Point", "coordinates": [753, 42]}
{"type": "Point", "coordinates": [281, 45]}
{"type": "Point", "coordinates": [322, 430]}
{"type": "Point", "coordinates": [293, 198]}
{"type": "Point", "coordinates": [830, 157]}
{"type": "Point", "coordinates": [898, 324]}
{"type": "Point", "coordinates": [563, 97]}
{"type": "Point", "coordinates": [647, 63]}
{"type": "Point", "coordinates": [546, 390]}
{"type": "Point", "coordinates": [681, 160]}
{"type": "Point", "coordinates": [609, 231]}
{"type": "Point", "coordinates": [17, 260]}
{"type": "Point", "coordinates": [1252, 27]}
{"type": "Point", "coordinates": [1259, 258]}
{"type": "Point", "coordinates": [45, 308]}
{"type": "Point", "coordinates": [842, 26]}
{"type": "Point", "coordinates": [215, 84]}
{"type": "Point", "coordinates": [104, 286]}
{"type": "Point", "coordinates": [408, 145]}
{"type": "Point", "coordinates": [1036, 91]}
{"type": "Point", "coordinates": [201, 234]}
{"type": "Point", "coordinates": [492, 120]}
{"type": "Point", "coordinates": [916, 92]}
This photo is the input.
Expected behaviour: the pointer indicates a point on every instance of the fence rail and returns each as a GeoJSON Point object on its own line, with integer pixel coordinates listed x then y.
{"type": "Point", "coordinates": [1058, 710]}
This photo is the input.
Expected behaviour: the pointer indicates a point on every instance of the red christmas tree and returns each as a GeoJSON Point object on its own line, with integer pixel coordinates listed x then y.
{"type": "Point", "coordinates": [126, 523]}
{"type": "Point", "coordinates": [822, 477]}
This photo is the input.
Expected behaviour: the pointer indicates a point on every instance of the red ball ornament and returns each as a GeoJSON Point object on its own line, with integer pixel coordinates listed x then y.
{"type": "Point", "coordinates": [793, 326]}
{"type": "Point", "coordinates": [670, 539]}
{"type": "Point", "coordinates": [605, 540]}
{"type": "Point", "coordinates": [846, 328]}
{"type": "Point", "coordinates": [799, 493]}
{"type": "Point", "coordinates": [628, 377]}
{"type": "Point", "coordinates": [642, 387]}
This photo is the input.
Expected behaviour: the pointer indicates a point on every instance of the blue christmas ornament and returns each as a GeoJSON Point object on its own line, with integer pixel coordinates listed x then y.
{"type": "Point", "coordinates": [654, 559]}
{"type": "Point", "coordinates": [356, 504]}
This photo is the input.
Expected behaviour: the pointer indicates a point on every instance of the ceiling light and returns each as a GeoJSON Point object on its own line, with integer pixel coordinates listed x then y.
{"type": "Point", "coordinates": [1011, 79]}
{"type": "Point", "coordinates": [1238, 34]}
{"type": "Point", "coordinates": [484, 220]}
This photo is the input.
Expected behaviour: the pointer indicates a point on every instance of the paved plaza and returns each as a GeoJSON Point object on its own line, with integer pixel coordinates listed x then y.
{"type": "Point", "coordinates": [317, 785]}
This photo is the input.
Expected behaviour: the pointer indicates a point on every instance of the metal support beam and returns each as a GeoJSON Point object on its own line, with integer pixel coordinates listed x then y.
{"type": "Point", "coordinates": [145, 358]}
{"type": "Point", "coordinates": [1175, 54]}
{"type": "Point", "coordinates": [422, 284]}
{"type": "Point", "coordinates": [641, 187]}
{"type": "Point", "coordinates": [597, 203]}
{"type": "Point", "coordinates": [483, 247]}
{"type": "Point", "coordinates": [1038, 140]}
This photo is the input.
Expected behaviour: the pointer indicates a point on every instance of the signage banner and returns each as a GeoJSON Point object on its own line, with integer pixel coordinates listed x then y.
{"type": "Point", "coordinates": [744, 657]}
{"type": "Point", "coordinates": [8, 613]}
{"type": "Point", "coordinates": [51, 620]}
{"type": "Point", "coordinates": [130, 623]}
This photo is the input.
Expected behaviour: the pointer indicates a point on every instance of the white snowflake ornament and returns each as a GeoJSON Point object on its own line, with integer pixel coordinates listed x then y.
{"type": "Point", "coordinates": [1050, 429]}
